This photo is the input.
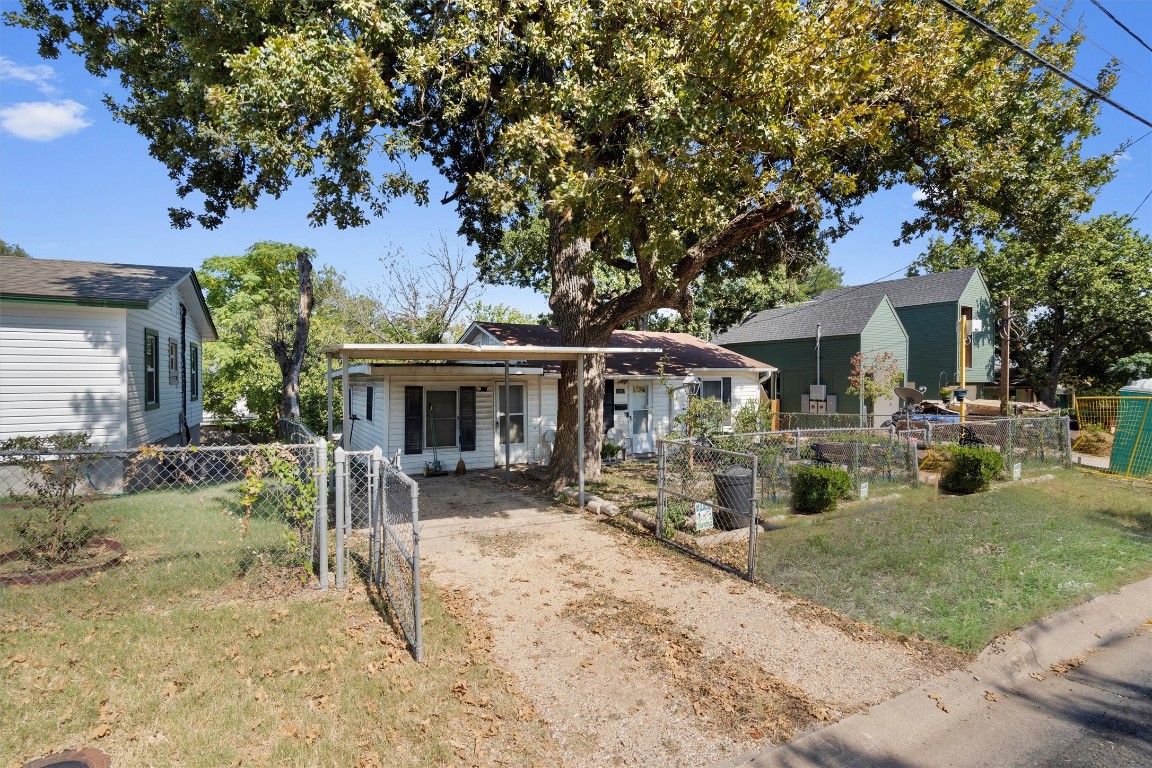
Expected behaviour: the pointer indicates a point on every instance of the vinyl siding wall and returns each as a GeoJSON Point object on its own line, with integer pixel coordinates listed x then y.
{"type": "Point", "coordinates": [796, 359]}
{"type": "Point", "coordinates": [884, 333]}
{"type": "Point", "coordinates": [932, 333]}
{"type": "Point", "coordinates": [61, 371]}
{"type": "Point", "coordinates": [983, 343]}
{"type": "Point", "coordinates": [162, 424]}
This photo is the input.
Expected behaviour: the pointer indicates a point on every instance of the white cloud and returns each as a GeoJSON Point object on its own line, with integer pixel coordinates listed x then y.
{"type": "Point", "coordinates": [39, 75]}
{"type": "Point", "coordinates": [1122, 157]}
{"type": "Point", "coordinates": [43, 120]}
{"type": "Point", "coordinates": [919, 195]}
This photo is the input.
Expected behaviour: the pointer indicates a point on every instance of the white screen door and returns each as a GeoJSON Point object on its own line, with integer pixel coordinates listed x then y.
{"type": "Point", "coordinates": [640, 411]}
{"type": "Point", "coordinates": [510, 412]}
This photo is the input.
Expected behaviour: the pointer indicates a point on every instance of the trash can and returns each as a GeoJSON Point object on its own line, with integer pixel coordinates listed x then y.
{"type": "Point", "coordinates": [734, 493]}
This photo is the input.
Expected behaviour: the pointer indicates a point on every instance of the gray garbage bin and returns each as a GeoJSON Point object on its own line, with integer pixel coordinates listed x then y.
{"type": "Point", "coordinates": [734, 492]}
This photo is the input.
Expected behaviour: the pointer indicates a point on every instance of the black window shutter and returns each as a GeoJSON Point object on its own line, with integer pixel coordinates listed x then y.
{"type": "Point", "coordinates": [369, 398]}
{"type": "Point", "coordinates": [413, 419]}
{"type": "Point", "coordinates": [609, 403]}
{"type": "Point", "coordinates": [726, 390]}
{"type": "Point", "coordinates": [467, 418]}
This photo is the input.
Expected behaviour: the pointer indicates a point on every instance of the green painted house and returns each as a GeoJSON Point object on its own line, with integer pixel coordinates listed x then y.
{"type": "Point", "coordinates": [927, 309]}
{"type": "Point", "coordinates": [847, 325]}
{"type": "Point", "coordinates": [930, 307]}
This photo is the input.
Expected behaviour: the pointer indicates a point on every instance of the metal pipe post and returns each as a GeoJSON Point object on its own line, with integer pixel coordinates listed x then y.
{"type": "Point", "coordinates": [322, 510]}
{"type": "Point", "coordinates": [580, 410]}
{"type": "Point", "coordinates": [376, 502]}
{"type": "Point", "coordinates": [507, 424]}
{"type": "Point", "coordinates": [414, 492]}
{"type": "Point", "coordinates": [341, 462]}
{"type": "Point", "coordinates": [661, 480]}
{"type": "Point", "coordinates": [346, 405]}
{"type": "Point", "coordinates": [753, 526]}
{"type": "Point", "coordinates": [328, 358]}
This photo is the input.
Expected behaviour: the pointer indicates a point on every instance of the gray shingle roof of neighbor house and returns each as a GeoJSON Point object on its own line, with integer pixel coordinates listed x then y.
{"type": "Point", "coordinates": [91, 283]}
{"type": "Point", "coordinates": [933, 288]}
{"type": "Point", "coordinates": [682, 352]}
{"type": "Point", "coordinates": [845, 311]}
{"type": "Point", "coordinates": [840, 316]}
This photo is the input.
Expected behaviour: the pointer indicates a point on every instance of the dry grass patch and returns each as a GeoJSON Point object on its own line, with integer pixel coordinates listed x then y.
{"type": "Point", "coordinates": [729, 692]}
{"type": "Point", "coordinates": [317, 681]}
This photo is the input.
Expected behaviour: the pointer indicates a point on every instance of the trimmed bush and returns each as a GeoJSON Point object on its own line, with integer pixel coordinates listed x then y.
{"type": "Point", "coordinates": [971, 469]}
{"type": "Point", "coordinates": [817, 489]}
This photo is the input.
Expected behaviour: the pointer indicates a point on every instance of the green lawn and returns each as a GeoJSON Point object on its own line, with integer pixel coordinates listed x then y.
{"type": "Point", "coordinates": [204, 649]}
{"type": "Point", "coordinates": [962, 570]}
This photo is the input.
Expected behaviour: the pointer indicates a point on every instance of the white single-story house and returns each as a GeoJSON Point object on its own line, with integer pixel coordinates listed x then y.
{"type": "Point", "coordinates": [447, 411]}
{"type": "Point", "coordinates": [109, 349]}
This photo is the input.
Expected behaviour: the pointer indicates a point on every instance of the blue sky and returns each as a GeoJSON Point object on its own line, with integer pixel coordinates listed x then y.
{"type": "Point", "coordinates": [74, 184]}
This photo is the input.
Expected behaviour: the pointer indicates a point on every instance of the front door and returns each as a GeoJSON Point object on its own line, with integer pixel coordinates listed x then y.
{"type": "Point", "coordinates": [510, 416]}
{"type": "Point", "coordinates": [640, 413]}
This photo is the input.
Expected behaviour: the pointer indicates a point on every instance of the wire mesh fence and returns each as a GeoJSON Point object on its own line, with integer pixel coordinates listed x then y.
{"type": "Point", "coordinates": [91, 532]}
{"type": "Point", "coordinates": [707, 503]}
{"type": "Point", "coordinates": [874, 458]}
{"type": "Point", "coordinates": [1118, 429]}
{"type": "Point", "coordinates": [1043, 441]}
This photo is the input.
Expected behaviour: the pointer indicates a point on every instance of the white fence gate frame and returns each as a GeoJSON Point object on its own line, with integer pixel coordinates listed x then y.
{"type": "Point", "coordinates": [374, 494]}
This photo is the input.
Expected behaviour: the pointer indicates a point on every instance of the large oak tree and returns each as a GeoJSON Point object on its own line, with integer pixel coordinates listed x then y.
{"type": "Point", "coordinates": [658, 138]}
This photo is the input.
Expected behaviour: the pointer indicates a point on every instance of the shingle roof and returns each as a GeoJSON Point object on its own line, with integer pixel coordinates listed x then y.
{"type": "Point", "coordinates": [682, 352]}
{"type": "Point", "coordinates": [124, 285]}
{"type": "Point", "coordinates": [933, 288]}
{"type": "Point", "coordinates": [843, 316]}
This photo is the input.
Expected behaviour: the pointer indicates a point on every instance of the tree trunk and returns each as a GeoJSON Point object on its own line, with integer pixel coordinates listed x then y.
{"type": "Point", "coordinates": [291, 359]}
{"type": "Point", "coordinates": [572, 302]}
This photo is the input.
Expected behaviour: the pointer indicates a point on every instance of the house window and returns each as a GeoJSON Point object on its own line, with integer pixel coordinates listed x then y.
{"type": "Point", "coordinates": [194, 371]}
{"type": "Point", "coordinates": [440, 418]}
{"type": "Point", "coordinates": [369, 399]}
{"type": "Point", "coordinates": [173, 362]}
{"type": "Point", "coordinates": [151, 369]}
{"type": "Point", "coordinates": [711, 388]}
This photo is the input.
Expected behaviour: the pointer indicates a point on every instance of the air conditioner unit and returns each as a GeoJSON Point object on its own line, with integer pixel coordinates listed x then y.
{"type": "Point", "coordinates": [818, 391]}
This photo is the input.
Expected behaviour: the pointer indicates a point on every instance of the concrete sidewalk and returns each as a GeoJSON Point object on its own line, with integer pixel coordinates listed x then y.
{"type": "Point", "coordinates": [1072, 690]}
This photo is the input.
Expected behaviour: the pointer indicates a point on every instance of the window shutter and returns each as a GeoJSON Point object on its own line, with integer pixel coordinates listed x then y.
{"type": "Point", "coordinates": [369, 400]}
{"type": "Point", "coordinates": [413, 419]}
{"type": "Point", "coordinates": [726, 390]}
{"type": "Point", "coordinates": [609, 403]}
{"type": "Point", "coordinates": [467, 418]}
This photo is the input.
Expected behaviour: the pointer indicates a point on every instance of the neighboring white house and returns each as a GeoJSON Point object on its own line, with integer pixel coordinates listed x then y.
{"type": "Point", "coordinates": [109, 349]}
{"type": "Point", "coordinates": [452, 411]}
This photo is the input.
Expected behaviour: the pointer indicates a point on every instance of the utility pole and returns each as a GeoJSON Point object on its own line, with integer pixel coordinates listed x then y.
{"type": "Point", "coordinates": [1005, 353]}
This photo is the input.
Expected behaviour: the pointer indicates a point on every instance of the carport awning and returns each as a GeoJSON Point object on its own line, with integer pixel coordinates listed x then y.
{"type": "Point", "coordinates": [503, 353]}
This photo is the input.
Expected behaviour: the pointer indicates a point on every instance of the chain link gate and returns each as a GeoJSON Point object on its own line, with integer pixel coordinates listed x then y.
{"type": "Point", "coordinates": [376, 497]}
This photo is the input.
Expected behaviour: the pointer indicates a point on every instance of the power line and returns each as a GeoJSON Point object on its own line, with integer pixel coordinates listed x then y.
{"type": "Point", "coordinates": [1119, 23]}
{"type": "Point", "coordinates": [1069, 25]}
{"type": "Point", "coordinates": [1142, 203]}
{"type": "Point", "coordinates": [991, 32]}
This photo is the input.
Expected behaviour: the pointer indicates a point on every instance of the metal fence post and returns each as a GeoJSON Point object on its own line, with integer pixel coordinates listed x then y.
{"type": "Point", "coordinates": [414, 492]}
{"type": "Point", "coordinates": [661, 481]}
{"type": "Point", "coordinates": [1010, 448]}
{"type": "Point", "coordinates": [341, 461]}
{"type": "Point", "coordinates": [1066, 425]}
{"type": "Point", "coordinates": [753, 525]}
{"type": "Point", "coordinates": [322, 509]}
{"type": "Point", "coordinates": [375, 503]}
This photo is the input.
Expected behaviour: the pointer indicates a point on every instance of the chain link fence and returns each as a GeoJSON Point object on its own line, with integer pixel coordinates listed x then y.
{"type": "Point", "coordinates": [94, 532]}
{"type": "Point", "coordinates": [1031, 442]}
{"type": "Point", "coordinates": [707, 503]}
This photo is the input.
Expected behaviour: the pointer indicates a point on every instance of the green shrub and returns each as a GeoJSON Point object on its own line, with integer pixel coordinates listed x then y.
{"type": "Point", "coordinates": [971, 469]}
{"type": "Point", "coordinates": [609, 451]}
{"type": "Point", "coordinates": [817, 489]}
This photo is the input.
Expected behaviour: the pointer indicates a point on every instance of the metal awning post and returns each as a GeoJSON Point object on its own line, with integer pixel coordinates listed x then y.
{"type": "Point", "coordinates": [580, 411]}
{"type": "Point", "coordinates": [507, 420]}
{"type": "Point", "coordinates": [346, 409]}
{"type": "Point", "coordinates": [329, 435]}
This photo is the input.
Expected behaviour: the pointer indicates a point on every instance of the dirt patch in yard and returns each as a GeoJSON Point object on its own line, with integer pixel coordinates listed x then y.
{"type": "Point", "coordinates": [635, 655]}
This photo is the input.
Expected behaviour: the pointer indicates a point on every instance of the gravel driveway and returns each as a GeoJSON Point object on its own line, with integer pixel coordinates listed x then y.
{"type": "Point", "coordinates": [636, 655]}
